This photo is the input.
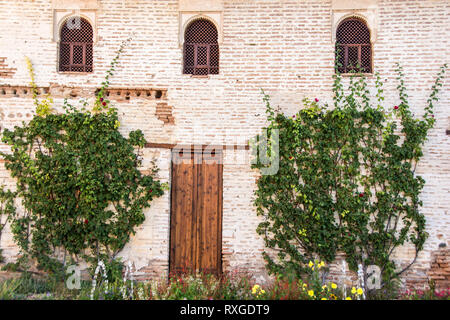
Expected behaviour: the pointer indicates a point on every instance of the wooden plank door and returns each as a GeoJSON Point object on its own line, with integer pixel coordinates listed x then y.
{"type": "Point", "coordinates": [182, 215]}
{"type": "Point", "coordinates": [196, 216]}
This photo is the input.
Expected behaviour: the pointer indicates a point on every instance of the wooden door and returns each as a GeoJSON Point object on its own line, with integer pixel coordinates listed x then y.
{"type": "Point", "coordinates": [196, 215]}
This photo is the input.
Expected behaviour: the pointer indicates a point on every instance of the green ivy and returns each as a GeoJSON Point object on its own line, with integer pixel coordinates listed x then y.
{"type": "Point", "coordinates": [346, 180]}
{"type": "Point", "coordinates": [79, 183]}
{"type": "Point", "coordinates": [7, 211]}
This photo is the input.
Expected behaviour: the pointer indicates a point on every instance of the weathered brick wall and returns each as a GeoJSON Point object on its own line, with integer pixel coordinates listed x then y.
{"type": "Point", "coordinates": [439, 272]}
{"type": "Point", "coordinates": [284, 47]}
{"type": "Point", "coordinates": [5, 71]}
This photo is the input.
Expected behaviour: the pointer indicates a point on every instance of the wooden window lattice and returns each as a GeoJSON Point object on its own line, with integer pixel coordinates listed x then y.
{"type": "Point", "coordinates": [201, 48]}
{"type": "Point", "coordinates": [354, 47]}
{"type": "Point", "coordinates": [76, 46]}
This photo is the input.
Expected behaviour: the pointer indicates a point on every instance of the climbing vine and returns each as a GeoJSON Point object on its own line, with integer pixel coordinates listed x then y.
{"type": "Point", "coordinates": [78, 180]}
{"type": "Point", "coordinates": [346, 180]}
{"type": "Point", "coordinates": [7, 210]}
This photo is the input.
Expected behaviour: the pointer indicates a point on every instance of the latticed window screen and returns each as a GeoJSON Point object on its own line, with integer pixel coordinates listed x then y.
{"type": "Point", "coordinates": [201, 49]}
{"type": "Point", "coordinates": [75, 47]}
{"type": "Point", "coordinates": [353, 46]}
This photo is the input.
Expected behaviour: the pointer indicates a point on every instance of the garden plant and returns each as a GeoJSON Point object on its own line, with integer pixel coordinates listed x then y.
{"type": "Point", "coordinates": [79, 181]}
{"type": "Point", "coordinates": [346, 182]}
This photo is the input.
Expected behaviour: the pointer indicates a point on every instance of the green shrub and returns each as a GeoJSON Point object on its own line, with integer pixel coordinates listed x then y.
{"type": "Point", "coordinates": [346, 181]}
{"type": "Point", "coordinates": [8, 289]}
{"type": "Point", "coordinates": [79, 181]}
{"type": "Point", "coordinates": [30, 285]}
{"type": "Point", "coordinates": [204, 287]}
{"type": "Point", "coordinates": [11, 266]}
{"type": "Point", "coordinates": [7, 211]}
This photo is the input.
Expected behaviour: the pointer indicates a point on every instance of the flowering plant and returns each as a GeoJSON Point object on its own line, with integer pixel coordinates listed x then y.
{"type": "Point", "coordinates": [346, 181]}
{"type": "Point", "coordinates": [79, 179]}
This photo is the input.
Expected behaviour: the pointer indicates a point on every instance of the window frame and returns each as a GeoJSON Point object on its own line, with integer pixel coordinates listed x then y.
{"type": "Point", "coordinates": [70, 55]}
{"type": "Point", "coordinates": [195, 46]}
{"type": "Point", "coordinates": [345, 46]}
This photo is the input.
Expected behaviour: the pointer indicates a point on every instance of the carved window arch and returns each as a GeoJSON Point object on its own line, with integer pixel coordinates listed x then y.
{"type": "Point", "coordinates": [76, 46]}
{"type": "Point", "coordinates": [353, 46]}
{"type": "Point", "coordinates": [201, 48]}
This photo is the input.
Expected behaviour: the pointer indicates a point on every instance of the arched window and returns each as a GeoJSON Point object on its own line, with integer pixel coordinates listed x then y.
{"type": "Point", "coordinates": [354, 47]}
{"type": "Point", "coordinates": [201, 49]}
{"type": "Point", "coordinates": [75, 47]}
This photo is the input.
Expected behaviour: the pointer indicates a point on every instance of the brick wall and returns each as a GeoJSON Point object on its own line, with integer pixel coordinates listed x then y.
{"type": "Point", "coordinates": [283, 47]}
{"type": "Point", "coordinates": [5, 71]}
{"type": "Point", "coordinates": [439, 272]}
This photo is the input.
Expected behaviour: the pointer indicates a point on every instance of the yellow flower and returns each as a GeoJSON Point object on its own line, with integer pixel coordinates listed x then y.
{"type": "Point", "coordinates": [255, 288]}
{"type": "Point", "coordinates": [333, 296]}
{"type": "Point", "coordinates": [359, 291]}
{"type": "Point", "coordinates": [311, 293]}
{"type": "Point", "coordinates": [348, 298]}
{"type": "Point", "coordinates": [324, 299]}
{"type": "Point", "coordinates": [321, 264]}
{"type": "Point", "coordinates": [333, 285]}
{"type": "Point", "coordinates": [353, 290]}
{"type": "Point", "coordinates": [324, 287]}
{"type": "Point", "coordinates": [344, 213]}
{"type": "Point", "coordinates": [311, 264]}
